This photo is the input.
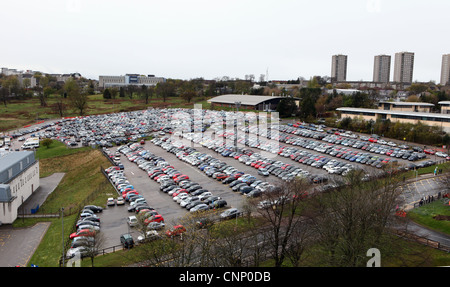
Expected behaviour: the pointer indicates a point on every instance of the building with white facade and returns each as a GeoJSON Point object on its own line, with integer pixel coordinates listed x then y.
{"type": "Point", "coordinates": [19, 179]}
{"type": "Point", "coordinates": [129, 79]}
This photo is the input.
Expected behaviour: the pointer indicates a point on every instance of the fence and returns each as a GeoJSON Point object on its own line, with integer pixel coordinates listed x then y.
{"type": "Point", "coordinates": [423, 240]}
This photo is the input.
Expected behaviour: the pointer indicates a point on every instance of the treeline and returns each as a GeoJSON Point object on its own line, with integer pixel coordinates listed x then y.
{"type": "Point", "coordinates": [72, 93]}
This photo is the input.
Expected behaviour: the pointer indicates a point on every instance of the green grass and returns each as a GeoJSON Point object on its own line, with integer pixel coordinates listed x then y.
{"type": "Point", "coordinates": [57, 149]}
{"type": "Point", "coordinates": [82, 184]}
{"type": "Point", "coordinates": [424, 215]}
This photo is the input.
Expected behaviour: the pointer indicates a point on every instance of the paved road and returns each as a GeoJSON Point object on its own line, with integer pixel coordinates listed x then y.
{"type": "Point", "coordinates": [17, 245]}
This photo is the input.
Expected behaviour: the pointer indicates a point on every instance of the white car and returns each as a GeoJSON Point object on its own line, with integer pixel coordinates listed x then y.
{"type": "Point", "coordinates": [149, 236]}
{"type": "Point", "coordinates": [88, 226]}
{"type": "Point", "coordinates": [441, 154]}
{"type": "Point", "coordinates": [120, 201]}
{"type": "Point", "coordinates": [82, 251]}
{"type": "Point", "coordinates": [111, 202]}
{"type": "Point", "coordinates": [180, 197]}
{"type": "Point", "coordinates": [139, 200]}
{"type": "Point", "coordinates": [132, 220]}
{"type": "Point", "coordinates": [204, 195]}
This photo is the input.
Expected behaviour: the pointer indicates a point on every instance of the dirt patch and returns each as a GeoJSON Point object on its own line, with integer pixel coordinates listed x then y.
{"type": "Point", "coordinates": [442, 217]}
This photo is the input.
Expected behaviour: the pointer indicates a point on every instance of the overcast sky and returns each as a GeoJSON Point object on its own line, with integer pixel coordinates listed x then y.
{"type": "Point", "coordinates": [186, 39]}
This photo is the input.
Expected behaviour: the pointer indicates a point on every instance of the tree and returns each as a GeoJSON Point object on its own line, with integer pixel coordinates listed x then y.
{"type": "Point", "coordinates": [106, 94]}
{"type": "Point", "coordinates": [283, 214]}
{"type": "Point", "coordinates": [354, 217]}
{"type": "Point", "coordinates": [165, 90]}
{"type": "Point", "coordinates": [46, 142]}
{"type": "Point", "coordinates": [287, 107]}
{"type": "Point", "coordinates": [77, 98]}
{"type": "Point", "coordinates": [417, 88]}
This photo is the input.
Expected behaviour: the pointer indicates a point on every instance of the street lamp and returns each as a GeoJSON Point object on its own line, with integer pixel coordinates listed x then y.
{"type": "Point", "coordinates": [62, 224]}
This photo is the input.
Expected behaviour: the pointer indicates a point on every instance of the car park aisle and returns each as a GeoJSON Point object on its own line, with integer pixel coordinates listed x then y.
{"type": "Point", "coordinates": [196, 175]}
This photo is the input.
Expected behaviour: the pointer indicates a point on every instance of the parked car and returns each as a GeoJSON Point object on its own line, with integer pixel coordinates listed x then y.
{"type": "Point", "coordinates": [155, 225]}
{"type": "Point", "coordinates": [199, 207]}
{"type": "Point", "coordinates": [229, 213]}
{"type": "Point", "coordinates": [82, 232]}
{"type": "Point", "coordinates": [120, 200]}
{"type": "Point", "coordinates": [111, 201]}
{"type": "Point", "coordinates": [82, 241]}
{"type": "Point", "coordinates": [154, 218]}
{"type": "Point", "coordinates": [83, 251]}
{"type": "Point", "coordinates": [126, 240]}
{"type": "Point", "coordinates": [88, 226]}
{"type": "Point", "coordinates": [218, 204]}
{"type": "Point", "coordinates": [94, 208]}
{"type": "Point", "coordinates": [149, 236]}
{"type": "Point", "coordinates": [176, 230]}
{"type": "Point", "coordinates": [132, 221]}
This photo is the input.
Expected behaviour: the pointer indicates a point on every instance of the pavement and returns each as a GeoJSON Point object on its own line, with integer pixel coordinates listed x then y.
{"type": "Point", "coordinates": [46, 186]}
{"type": "Point", "coordinates": [17, 245]}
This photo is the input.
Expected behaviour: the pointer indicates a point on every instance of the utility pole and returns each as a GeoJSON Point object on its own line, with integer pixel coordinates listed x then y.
{"type": "Point", "coordinates": [62, 223]}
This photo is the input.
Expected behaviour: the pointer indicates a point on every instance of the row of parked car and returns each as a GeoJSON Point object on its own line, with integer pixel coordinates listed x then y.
{"type": "Point", "coordinates": [334, 148]}
{"type": "Point", "coordinates": [88, 225]}
{"type": "Point", "coordinates": [373, 144]}
{"type": "Point", "coordinates": [264, 165]}
{"type": "Point", "coordinates": [216, 169]}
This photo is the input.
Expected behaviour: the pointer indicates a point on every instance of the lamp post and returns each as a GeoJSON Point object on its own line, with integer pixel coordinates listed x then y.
{"type": "Point", "coordinates": [62, 224]}
{"type": "Point", "coordinates": [237, 104]}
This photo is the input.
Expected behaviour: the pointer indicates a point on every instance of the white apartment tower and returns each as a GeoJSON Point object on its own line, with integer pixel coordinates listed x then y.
{"type": "Point", "coordinates": [339, 68]}
{"type": "Point", "coordinates": [445, 71]}
{"type": "Point", "coordinates": [382, 69]}
{"type": "Point", "coordinates": [404, 67]}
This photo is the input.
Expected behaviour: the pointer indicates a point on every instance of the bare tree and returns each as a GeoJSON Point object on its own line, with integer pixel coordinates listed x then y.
{"type": "Point", "coordinates": [354, 217]}
{"type": "Point", "coordinates": [282, 211]}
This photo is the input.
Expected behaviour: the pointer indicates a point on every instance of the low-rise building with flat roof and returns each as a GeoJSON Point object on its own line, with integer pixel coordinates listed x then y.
{"type": "Point", "coordinates": [19, 179]}
{"type": "Point", "coordinates": [248, 102]}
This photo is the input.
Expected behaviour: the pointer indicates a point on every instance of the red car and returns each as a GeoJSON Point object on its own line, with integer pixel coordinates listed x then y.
{"type": "Point", "coordinates": [154, 218]}
{"type": "Point", "coordinates": [429, 151]}
{"type": "Point", "coordinates": [177, 230]}
{"type": "Point", "coordinates": [221, 176]}
{"type": "Point", "coordinates": [82, 232]}
{"type": "Point", "coordinates": [180, 178]}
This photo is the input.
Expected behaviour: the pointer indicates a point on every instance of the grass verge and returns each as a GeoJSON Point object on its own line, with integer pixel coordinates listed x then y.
{"type": "Point", "coordinates": [82, 184]}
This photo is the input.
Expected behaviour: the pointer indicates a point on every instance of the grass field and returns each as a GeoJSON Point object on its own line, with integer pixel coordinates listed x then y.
{"type": "Point", "coordinates": [19, 113]}
{"type": "Point", "coordinates": [424, 215]}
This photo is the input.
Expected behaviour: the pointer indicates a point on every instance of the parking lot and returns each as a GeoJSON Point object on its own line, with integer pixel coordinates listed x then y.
{"type": "Point", "coordinates": [282, 151]}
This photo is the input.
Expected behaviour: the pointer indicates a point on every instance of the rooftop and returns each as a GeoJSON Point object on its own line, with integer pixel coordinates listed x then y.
{"type": "Point", "coordinates": [408, 103]}
{"type": "Point", "coordinates": [10, 160]}
{"type": "Point", "coordinates": [390, 112]}
{"type": "Point", "coordinates": [246, 100]}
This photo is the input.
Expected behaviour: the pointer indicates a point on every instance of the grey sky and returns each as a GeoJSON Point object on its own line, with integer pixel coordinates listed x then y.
{"type": "Point", "coordinates": [205, 38]}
